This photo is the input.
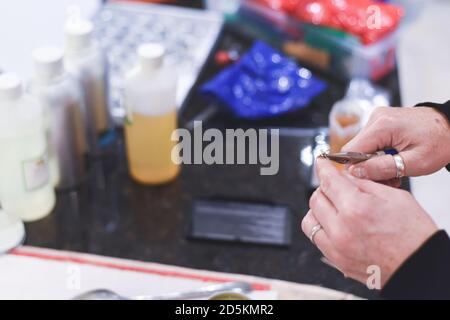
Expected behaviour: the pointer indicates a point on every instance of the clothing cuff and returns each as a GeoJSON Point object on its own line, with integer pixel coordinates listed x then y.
{"type": "Point", "coordinates": [424, 275]}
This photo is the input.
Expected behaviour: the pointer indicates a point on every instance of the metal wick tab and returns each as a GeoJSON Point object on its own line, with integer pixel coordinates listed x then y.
{"type": "Point", "coordinates": [346, 157]}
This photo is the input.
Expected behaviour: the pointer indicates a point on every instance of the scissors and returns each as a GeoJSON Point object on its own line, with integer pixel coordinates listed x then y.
{"type": "Point", "coordinates": [354, 157]}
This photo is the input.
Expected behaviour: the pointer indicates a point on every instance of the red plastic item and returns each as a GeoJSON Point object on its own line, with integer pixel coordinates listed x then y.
{"type": "Point", "coordinates": [368, 20]}
{"type": "Point", "coordinates": [223, 58]}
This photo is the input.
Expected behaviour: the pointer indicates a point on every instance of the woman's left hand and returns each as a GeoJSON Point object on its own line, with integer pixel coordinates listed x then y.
{"type": "Point", "coordinates": [365, 224]}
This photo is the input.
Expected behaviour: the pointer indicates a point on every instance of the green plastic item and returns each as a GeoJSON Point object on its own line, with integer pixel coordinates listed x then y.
{"type": "Point", "coordinates": [327, 39]}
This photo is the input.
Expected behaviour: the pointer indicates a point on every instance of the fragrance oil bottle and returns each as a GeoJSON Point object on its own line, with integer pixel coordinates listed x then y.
{"type": "Point", "coordinates": [150, 98]}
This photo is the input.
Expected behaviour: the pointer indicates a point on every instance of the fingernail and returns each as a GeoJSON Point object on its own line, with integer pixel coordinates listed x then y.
{"type": "Point", "coordinates": [358, 172]}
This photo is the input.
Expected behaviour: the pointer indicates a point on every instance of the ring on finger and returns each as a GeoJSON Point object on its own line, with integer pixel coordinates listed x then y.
{"type": "Point", "coordinates": [314, 232]}
{"type": "Point", "coordinates": [400, 166]}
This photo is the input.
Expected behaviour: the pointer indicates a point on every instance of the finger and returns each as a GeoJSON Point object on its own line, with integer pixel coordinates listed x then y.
{"type": "Point", "coordinates": [373, 188]}
{"type": "Point", "coordinates": [381, 168]}
{"type": "Point", "coordinates": [335, 186]}
{"type": "Point", "coordinates": [359, 276]}
{"type": "Point", "coordinates": [376, 114]}
{"type": "Point", "coordinates": [411, 161]}
{"type": "Point", "coordinates": [372, 138]}
{"type": "Point", "coordinates": [321, 239]}
{"type": "Point", "coordinates": [394, 183]}
{"type": "Point", "coordinates": [325, 245]}
{"type": "Point", "coordinates": [324, 211]}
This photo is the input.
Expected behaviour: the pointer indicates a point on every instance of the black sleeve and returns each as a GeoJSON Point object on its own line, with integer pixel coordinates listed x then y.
{"type": "Point", "coordinates": [443, 108]}
{"type": "Point", "coordinates": [425, 275]}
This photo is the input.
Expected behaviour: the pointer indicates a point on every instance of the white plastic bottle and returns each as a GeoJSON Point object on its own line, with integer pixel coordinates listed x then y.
{"type": "Point", "coordinates": [150, 98]}
{"type": "Point", "coordinates": [12, 232]}
{"type": "Point", "coordinates": [26, 190]}
{"type": "Point", "coordinates": [63, 104]}
{"type": "Point", "coordinates": [85, 60]}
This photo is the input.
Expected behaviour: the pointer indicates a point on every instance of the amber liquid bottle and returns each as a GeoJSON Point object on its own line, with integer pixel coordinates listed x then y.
{"type": "Point", "coordinates": [150, 97]}
{"type": "Point", "coordinates": [149, 148]}
{"type": "Point", "coordinates": [346, 119]}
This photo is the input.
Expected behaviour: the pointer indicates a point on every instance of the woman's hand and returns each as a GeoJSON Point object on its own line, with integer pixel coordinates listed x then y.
{"type": "Point", "coordinates": [421, 136]}
{"type": "Point", "coordinates": [365, 223]}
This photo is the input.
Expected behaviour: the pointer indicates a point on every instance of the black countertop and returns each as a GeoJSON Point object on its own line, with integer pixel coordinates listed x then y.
{"type": "Point", "coordinates": [113, 216]}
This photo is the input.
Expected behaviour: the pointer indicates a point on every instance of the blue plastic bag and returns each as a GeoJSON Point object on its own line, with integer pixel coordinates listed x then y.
{"type": "Point", "coordinates": [264, 83]}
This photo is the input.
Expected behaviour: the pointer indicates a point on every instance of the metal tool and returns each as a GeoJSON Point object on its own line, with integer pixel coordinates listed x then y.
{"type": "Point", "coordinates": [353, 157]}
{"type": "Point", "coordinates": [205, 292]}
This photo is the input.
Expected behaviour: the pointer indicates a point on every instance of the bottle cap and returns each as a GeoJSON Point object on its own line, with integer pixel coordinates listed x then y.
{"type": "Point", "coordinates": [48, 63]}
{"type": "Point", "coordinates": [10, 86]}
{"type": "Point", "coordinates": [78, 34]}
{"type": "Point", "coordinates": [151, 55]}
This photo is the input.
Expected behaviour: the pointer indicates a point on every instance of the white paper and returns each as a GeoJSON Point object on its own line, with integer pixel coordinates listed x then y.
{"type": "Point", "coordinates": [62, 275]}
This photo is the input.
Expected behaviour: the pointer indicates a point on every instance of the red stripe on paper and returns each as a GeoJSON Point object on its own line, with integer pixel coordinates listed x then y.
{"type": "Point", "coordinates": [123, 267]}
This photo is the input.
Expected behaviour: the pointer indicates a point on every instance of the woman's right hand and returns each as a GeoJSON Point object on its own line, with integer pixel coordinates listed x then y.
{"type": "Point", "coordinates": [421, 135]}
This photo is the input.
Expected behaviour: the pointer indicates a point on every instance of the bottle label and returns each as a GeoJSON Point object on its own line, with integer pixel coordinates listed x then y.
{"type": "Point", "coordinates": [36, 172]}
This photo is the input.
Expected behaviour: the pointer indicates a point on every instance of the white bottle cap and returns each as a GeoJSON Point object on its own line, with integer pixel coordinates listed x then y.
{"type": "Point", "coordinates": [12, 232]}
{"type": "Point", "coordinates": [151, 55]}
{"type": "Point", "coordinates": [48, 63]}
{"type": "Point", "coordinates": [10, 86]}
{"type": "Point", "coordinates": [78, 35]}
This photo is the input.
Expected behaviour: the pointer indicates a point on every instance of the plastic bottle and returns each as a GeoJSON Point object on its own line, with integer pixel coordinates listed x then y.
{"type": "Point", "coordinates": [345, 123]}
{"type": "Point", "coordinates": [85, 60]}
{"type": "Point", "coordinates": [12, 232]}
{"type": "Point", "coordinates": [349, 115]}
{"type": "Point", "coordinates": [26, 190]}
{"type": "Point", "coordinates": [62, 100]}
{"type": "Point", "coordinates": [150, 98]}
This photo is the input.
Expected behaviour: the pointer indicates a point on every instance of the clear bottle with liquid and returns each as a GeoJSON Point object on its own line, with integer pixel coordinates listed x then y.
{"type": "Point", "coordinates": [150, 99]}
{"type": "Point", "coordinates": [63, 105]}
{"type": "Point", "coordinates": [345, 123]}
{"type": "Point", "coordinates": [85, 61]}
{"type": "Point", "coordinates": [26, 190]}
{"type": "Point", "coordinates": [349, 115]}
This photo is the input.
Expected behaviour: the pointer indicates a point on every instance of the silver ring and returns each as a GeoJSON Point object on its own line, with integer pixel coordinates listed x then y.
{"type": "Point", "coordinates": [314, 231]}
{"type": "Point", "coordinates": [400, 165]}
